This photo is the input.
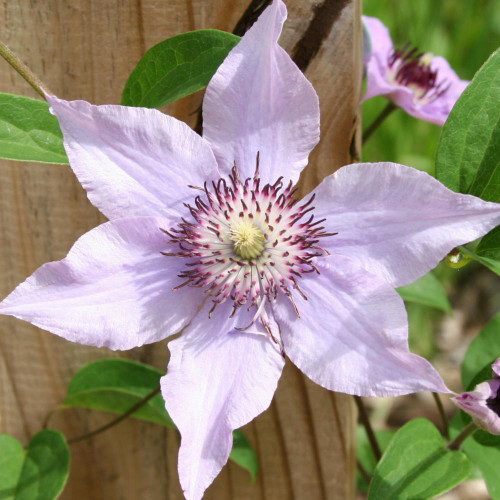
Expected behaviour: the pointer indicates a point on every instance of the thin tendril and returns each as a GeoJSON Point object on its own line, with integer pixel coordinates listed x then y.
{"type": "Point", "coordinates": [116, 421]}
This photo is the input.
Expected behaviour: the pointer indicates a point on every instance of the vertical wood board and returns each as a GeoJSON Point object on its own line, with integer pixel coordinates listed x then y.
{"type": "Point", "coordinates": [86, 50]}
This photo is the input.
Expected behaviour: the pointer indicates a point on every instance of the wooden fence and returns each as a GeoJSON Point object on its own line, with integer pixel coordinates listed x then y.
{"type": "Point", "coordinates": [85, 49]}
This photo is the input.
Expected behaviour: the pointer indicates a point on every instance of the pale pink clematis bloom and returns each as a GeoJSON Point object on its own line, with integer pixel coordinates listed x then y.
{"type": "Point", "coordinates": [423, 85]}
{"type": "Point", "coordinates": [311, 279]}
{"type": "Point", "coordinates": [483, 403]}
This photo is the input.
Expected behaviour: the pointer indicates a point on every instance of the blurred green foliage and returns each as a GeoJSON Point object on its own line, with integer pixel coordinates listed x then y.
{"type": "Point", "coordinates": [465, 32]}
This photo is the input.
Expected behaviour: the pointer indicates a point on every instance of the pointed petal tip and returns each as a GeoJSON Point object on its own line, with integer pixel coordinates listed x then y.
{"type": "Point", "coordinates": [217, 381]}
{"type": "Point", "coordinates": [359, 342]}
{"type": "Point", "coordinates": [112, 289]}
{"type": "Point", "coordinates": [276, 115]}
{"type": "Point", "coordinates": [398, 221]}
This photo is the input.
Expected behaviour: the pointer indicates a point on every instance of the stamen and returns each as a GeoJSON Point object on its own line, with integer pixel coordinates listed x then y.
{"type": "Point", "coordinates": [412, 69]}
{"type": "Point", "coordinates": [245, 244]}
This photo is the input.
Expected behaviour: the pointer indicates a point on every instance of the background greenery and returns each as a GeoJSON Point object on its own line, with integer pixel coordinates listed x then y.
{"type": "Point", "coordinates": [465, 32]}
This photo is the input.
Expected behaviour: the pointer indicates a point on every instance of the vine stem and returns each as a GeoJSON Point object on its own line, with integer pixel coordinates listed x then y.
{"type": "Point", "coordinates": [466, 432]}
{"type": "Point", "coordinates": [117, 420]}
{"type": "Point", "coordinates": [364, 472]}
{"type": "Point", "coordinates": [442, 413]}
{"type": "Point", "coordinates": [363, 415]}
{"type": "Point", "coordinates": [23, 70]}
{"type": "Point", "coordinates": [378, 121]}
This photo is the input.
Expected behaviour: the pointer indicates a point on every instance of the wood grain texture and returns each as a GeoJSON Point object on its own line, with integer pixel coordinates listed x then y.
{"type": "Point", "coordinates": [86, 49]}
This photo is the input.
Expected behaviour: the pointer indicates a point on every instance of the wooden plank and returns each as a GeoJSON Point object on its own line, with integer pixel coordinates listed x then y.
{"type": "Point", "coordinates": [86, 49]}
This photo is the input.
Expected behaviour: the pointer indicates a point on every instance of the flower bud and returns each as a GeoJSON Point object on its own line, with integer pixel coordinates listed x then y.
{"type": "Point", "coordinates": [483, 403]}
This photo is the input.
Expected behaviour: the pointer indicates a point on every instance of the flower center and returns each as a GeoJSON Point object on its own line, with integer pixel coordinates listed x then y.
{"type": "Point", "coordinates": [412, 69]}
{"type": "Point", "coordinates": [248, 239]}
{"type": "Point", "coordinates": [248, 243]}
{"type": "Point", "coordinates": [494, 403]}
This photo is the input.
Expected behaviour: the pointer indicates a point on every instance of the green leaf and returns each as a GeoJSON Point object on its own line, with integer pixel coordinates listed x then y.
{"type": "Point", "coordinates": [177, 67]}
{"type": "Point", "coordinates": [11, 465]}
{"type": "Point", "coordinates": [426, 291]}
{"type": "Point", "coordinates": [38, 474]}
{"type": "Point", "coordinates": [117, 384]}
{"type": "Point", "coordinates": [365, 454]}
{"type": "Point", "coordinates": [481, 354]}
{"type": "Point", "coordinates": [489, 246]}
{"type": "Point", "coordinates": [28, 132]}
{"type": "Point", "coordinates": [417, 465]}
{"type": "Point", "coordinates": [421, 329]}
{"type": "Point", "coordinates": [467, 158]}
{"type": "Point", "coordinates": [492, 264]}
{"type": "Point", "coordinates": [483, 449]}
{"type": "Point", "coordinates": [244, 455]}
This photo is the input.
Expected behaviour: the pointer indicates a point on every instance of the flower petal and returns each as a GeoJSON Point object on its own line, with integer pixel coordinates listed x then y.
{"type": "Point", "coordinates": [113, 289]}
{"type": "Point", "coordinates": [377, 68]}
{"type": "Point", "coordinates": [352, 335]}
{"type": "Point", "coordinates": [482, 404]}
{"type": "Point", "coordinates": [377, 64]}
{"type": "Point", "coordinates": [259, 101]}
{"type": "Point", "coordinates": [496, 368]}
{"type": "Point", "coordinates": [399, 222]}
{"type": "Point", "coordinates": [438, 110]}
{"type": "Point", "coordinates": [218, 379]}
{"type": "Point", "coordinates": [133, 161]}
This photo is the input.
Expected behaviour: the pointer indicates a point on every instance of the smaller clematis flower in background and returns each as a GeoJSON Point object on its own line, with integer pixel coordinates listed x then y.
{"type": "Point", "coordinates": [424, 85]}
{"type": "Point", "coordinates": [483, 403]}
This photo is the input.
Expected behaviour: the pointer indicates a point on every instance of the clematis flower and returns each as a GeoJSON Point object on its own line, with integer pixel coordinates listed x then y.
{"type": "Point", "coordinates": [206, 236]}
{"type": "Point", "coordinates": [483, 403]}
{"type": "Point", "coordinates": [422, 84]}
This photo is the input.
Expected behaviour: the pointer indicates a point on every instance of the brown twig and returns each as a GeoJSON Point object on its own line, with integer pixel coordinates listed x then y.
{"type": "Point", "coordinates": [363, 415]}
{"type": "Point", "coordinates": [364, 472]}
{"type": "Point", "coordinates": [442, 413]}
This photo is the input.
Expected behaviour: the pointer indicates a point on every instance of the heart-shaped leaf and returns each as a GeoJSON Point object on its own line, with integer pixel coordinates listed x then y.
{"type": "Point", "coordinates": [416, 464]}
{"type": "Point", "coordinates": [38, 474]}
{"type": "Point", "coordinates": [177, 67]}
{"type": "Point", "coordinates": [28, 132]}
{"type": "Point", "coordinates": [117, 384]}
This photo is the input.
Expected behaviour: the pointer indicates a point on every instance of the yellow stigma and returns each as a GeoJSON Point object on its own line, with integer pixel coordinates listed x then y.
{"type": "Point", "coordinates": [248, 240]}
{"type": "Point", "coordinates": [426, 58]}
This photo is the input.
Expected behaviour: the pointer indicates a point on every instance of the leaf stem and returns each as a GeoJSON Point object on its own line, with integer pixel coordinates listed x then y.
{"type": "Point", "coordinates": [378, 121]}
{"type": "Point", "coordinates": [363, 415]}
{"type": "Point", "coordinates": [23, 70]}
{"type": "Point", "coordinates": [364, 472]}
{"type": "Point", "coordinates": [442, 413]}
{"type": "Point", "coordinates": [466, 432]}
{"type": "Point", "coordinates": [117, 420]}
